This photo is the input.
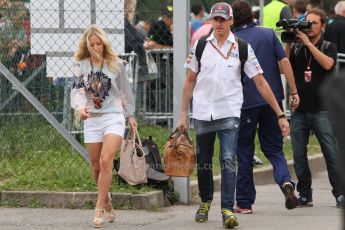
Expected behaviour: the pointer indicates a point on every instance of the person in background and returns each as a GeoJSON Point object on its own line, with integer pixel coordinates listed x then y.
{"type": "Point", "coordinates": [217, 99]}
{"type": "Point", "coordinates": [313, 60]}
{"type": "Point", "coordinates": [256, 14]}
{"type": "Point", "coordinates": [335, 30]}
{"type": "Point", "coordinates": [102, 97]}
{"type": "Point", "coordinates": [160, 97]}
{"type": "Point", "coordinates": [159, 35]}
{"type": "Point", "coordinates": [204, 30]}
{"type": "Point", "coordinates": [143, 27]}
{"type": "Point", "coordinates": [313, 4]}
{"type": "Point", "coordinates": [299, 9]}
{"type": "Point", "coordinates": [134, 42]}
{"type": "Point", "coordinates": [256, 114]}
{"type": "Point", "coordinates": [275, 11]}
{"type": "Point", "coordinates": [198, 11]}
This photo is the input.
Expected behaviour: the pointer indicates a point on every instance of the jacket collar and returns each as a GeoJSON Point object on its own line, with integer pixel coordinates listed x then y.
{"type": "Point", "coordinates": [244, 26]}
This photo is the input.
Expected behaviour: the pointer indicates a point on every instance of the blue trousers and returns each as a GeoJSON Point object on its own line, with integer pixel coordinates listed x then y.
{"type": "Point", "coordinates": [301, 124]}
{"type": "Point", "coordinates": [227, 131]}
{"type": "Point", "coordinates": [271, 143]}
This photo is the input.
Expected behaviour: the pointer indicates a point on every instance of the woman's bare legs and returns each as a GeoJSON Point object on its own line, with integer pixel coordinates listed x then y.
{"type": "Point", "coordinates": [111, 144]}
{"type": "Point", "coordinates": [102, 156]}
{"type": "Point", "coordinates": [94, 150]}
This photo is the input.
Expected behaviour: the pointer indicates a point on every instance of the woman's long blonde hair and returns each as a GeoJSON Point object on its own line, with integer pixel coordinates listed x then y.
{"type": "Point", "coordinates": [84, 48]}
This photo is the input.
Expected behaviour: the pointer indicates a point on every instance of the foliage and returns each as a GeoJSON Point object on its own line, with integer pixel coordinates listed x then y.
{"type": "Point", "coordinates": [14, 30]}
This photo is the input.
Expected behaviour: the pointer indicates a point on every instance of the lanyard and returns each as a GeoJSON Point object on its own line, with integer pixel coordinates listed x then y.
{"type": "Point", "coordinates": [220, 52]}
{"type": "Point", "coordinates": [308, 62]}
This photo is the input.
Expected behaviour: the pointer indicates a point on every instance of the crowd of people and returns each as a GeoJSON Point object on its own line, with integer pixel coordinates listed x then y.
{"type": "Point", "coordinates": [306, 65]}
{"type": "Point", "coordinates": [234, 81]}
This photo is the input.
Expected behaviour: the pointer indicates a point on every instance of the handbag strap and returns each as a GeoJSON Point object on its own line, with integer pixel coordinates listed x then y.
{"type": "Point", "coordinates": [178, 133]}
{"type": "Point", "coordinates": [131, 136]}
{"type": "Point", "coordinates": [137, 135]}
{"type": "Point", "coordinates": [186, 134]}
{"type": "Point", "coordinates": [175, 134]}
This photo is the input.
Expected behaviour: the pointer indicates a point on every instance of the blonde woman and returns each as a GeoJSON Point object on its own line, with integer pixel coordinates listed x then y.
{"type": "Point", "coordinates": [102, 97]}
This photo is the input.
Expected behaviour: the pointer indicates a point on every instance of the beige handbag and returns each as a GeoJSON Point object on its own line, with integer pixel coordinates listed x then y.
{"type": "Point", "coordinates": [132, 160]}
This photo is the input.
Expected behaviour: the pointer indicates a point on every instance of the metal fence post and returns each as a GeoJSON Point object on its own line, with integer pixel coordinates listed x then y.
{"type": "Point", "coordinates": [181, 45]}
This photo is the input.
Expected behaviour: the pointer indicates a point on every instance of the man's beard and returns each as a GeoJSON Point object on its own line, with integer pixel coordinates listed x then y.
{"type": "Point", "coordinates": [313, 37]}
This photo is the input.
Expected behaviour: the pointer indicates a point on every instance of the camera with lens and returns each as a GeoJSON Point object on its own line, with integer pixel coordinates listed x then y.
{"type": "Point", "coordinates": [289, 35]}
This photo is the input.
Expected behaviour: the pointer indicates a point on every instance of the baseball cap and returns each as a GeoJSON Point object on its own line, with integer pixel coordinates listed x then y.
{"type": "Point", "coordinates": [221, 9]}
{"type": "Point", "coordinates": [167, 11]}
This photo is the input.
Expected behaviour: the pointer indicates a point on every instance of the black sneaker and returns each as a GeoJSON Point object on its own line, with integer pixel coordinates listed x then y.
{"type": "Point", "coordinates": [340, 201]}
{"type": "Point", "coordinates": [303, 201]}
{"type": "Point", "coordinates": [290, 197]}
{"type": "Point", "coordinates": [202, 214]}
{"type": "Point", "coordinates": [229, 219]}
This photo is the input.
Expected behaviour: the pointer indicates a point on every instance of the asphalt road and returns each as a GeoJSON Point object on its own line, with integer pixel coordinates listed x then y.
{"type": "Point", "coordinates": [269, 213]}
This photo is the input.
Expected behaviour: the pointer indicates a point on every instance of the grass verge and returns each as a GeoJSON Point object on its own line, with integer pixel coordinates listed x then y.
{"type": "Point", "coordinates": [46, 162]}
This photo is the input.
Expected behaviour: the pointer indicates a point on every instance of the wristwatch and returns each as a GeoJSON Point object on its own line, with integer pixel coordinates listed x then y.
{"type": "Point", "coordinates": [281, 116]}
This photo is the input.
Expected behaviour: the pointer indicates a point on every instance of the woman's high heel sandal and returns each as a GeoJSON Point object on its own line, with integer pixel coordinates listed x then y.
{"type": "Point", "coordinates": [110, 210]}
{"type": "Point", "coordinates": [98, 219]}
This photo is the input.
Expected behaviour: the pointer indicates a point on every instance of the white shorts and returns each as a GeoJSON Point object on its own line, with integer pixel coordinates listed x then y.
{"type": "Point", "coordinates": [97, 126]}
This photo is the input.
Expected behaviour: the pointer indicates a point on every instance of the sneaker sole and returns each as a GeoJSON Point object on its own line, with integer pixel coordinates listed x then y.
{"type": "Point", "coordinates": [305, 205]}
{"type": "Point", "coordinates": [243, 212]}
{"type": "Point", "coordinates": [291, 199]}
{"type": "Point", "coordinates": [201, 220]}
{"type": "Point", "coordinates": [231, 222]}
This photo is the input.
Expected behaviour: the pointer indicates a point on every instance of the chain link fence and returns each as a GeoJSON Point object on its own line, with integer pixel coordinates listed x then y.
{"type": "Point", "coordinates": [38, 39]}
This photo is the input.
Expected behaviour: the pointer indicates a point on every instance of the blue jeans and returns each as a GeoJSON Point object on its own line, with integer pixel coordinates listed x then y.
{"type": "Point", "coordinates": [227, 131]}
{"type": "Point", "coordinates": [318, 122]}
{"type": "Point", "coordinates": [271, 143]}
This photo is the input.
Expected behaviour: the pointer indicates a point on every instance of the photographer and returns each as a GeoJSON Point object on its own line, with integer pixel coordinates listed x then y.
{"type": "Point", "coordinates": [313, 59]}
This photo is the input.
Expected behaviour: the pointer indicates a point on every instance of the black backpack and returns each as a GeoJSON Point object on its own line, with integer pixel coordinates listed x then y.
{"type": "Point", "coordinates": [242, 49]}
{"type": "Point", "coordinates": [155, 172]}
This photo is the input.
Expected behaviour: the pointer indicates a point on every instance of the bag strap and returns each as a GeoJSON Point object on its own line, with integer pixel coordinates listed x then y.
{"type": "Point", "coordinates": [296, 48]}
{"type": "Point", "coordinates": [243, 55]}
{"type": "Point", "coordinates": [178, 133]}
{"type": "Point", "coordinates": [175, 134]}
{"type": "Point", "coordinates": [137, 135]}
{"type": "Point", "coordinates": [187, 136]}
{"type": "Point", "coordinates": [200, 49]}
{"type": "Point", "coordinates": [131, 136]}
{"type": "Point", "coordinates": [324, 46]}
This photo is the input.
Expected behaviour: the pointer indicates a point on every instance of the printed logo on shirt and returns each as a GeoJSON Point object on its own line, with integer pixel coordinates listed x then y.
{"type": "Point", "coordinates": [234, 55]}
{"type": "Point", "coordinates": [190, 57]}
{"type": "Point", "coordinates": [255, 61]}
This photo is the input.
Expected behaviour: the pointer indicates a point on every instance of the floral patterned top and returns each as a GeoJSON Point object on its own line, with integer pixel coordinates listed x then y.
{"type": "Point", "coordinates": [102, 91]}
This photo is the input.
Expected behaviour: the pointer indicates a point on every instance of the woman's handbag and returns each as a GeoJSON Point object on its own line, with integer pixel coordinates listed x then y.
{"type": "Point", "coordinates": [132, 160]}
{"type": "Point", "coordinates": [179, 155]}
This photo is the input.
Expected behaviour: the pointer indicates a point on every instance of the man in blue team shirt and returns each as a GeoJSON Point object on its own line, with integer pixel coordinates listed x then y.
{"type": "Point", "coordinates": [255, 110]}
